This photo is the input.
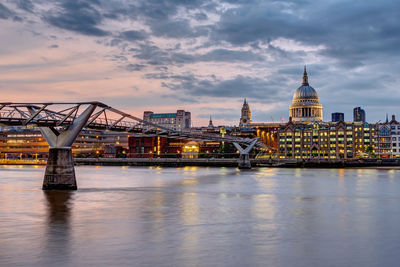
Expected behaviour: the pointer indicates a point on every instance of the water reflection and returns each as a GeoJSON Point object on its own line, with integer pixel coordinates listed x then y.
{"type": "Point", "coordinates": [155, 216]}
{"type": "Point", "coordinates": [57, 246]}
{"type": "Point", "coordinates": [58, 207]}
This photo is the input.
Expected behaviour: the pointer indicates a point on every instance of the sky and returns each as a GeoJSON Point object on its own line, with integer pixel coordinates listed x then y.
{"type": "Point", "coordinates": [203, 56]}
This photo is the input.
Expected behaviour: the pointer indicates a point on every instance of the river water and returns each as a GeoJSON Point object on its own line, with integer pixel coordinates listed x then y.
{"type": "Point", "coordinates": [152, 216]}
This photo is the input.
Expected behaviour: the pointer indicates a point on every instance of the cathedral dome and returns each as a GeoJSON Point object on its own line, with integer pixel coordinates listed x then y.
{"type": "Point", "coordinates": [305, 104]}
{"type": "Point", "coordinates": [305, 92]}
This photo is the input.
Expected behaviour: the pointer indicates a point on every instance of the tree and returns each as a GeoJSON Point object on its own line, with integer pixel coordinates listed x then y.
{"type": "Point", "coordinates": [370, 151]}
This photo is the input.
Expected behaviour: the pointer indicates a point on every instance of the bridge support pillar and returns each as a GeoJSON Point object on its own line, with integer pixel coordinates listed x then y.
{"type": "Point", "coordinates": [244, 158]}
{"type": "Point", "coordinates": [244, 161]}
{"type": "Point", "coordinates": [60, 172]}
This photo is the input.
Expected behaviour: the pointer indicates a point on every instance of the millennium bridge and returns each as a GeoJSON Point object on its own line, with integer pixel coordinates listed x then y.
{"type": "Point", "coordinates": [61, 122]}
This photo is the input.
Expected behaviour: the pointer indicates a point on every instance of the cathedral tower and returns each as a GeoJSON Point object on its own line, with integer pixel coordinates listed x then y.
{"type": "Point", "coordinates": [245, 118]}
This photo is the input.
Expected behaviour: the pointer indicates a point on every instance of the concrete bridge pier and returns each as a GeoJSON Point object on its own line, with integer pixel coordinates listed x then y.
{"type": "Point", "coordinates": [244, 158]}
{"type": "Point", "coordinates": [60, 171]}
{"type": "Point", "coordinates": [244, 161]}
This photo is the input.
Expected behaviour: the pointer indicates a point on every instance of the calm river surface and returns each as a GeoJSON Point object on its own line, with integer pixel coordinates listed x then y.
{"type": "Point", "coordinates": [151, 216]}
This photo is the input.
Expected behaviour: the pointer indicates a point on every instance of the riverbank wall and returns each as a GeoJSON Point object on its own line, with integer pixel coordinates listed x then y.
{"type": "Point", "coordinates": [229, 162]}
{"type": "Point", "coordinates": [224, 162]}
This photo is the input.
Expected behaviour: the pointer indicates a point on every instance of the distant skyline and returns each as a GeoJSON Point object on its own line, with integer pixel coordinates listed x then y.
{"type": "Point", "coordinates": [203, 56]}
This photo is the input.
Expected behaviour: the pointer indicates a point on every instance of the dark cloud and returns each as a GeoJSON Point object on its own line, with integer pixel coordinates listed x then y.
{"type": "Point", "coordinates": [249, 23]}
{"type": "Point", "coordinates": [133, 35]}
{"type": "Point", "coordinates": [200, 16]}
{"type": "Point", "coordinates": [238, 87]}
{"type": "Point", "coordinates": [5, 13]}
{"type": "Point", "coordinates": [119, 58]}
{"type": "Point", "coordinates": [163, 10]}
{"type": "Point", "coordinates": [79, 16]}
{"type": "Point", "coordinates": [134, 67]}
{"type": "Point", "coordinates": [354, 42]}
{"type": "Point", "coordinates": [177, 29]}
{"type": "Point", "coordinates": [152, 54]}
{"type": "Point", "coordinates": [226, 55]}
{"type": "Point", "coordinates": [156, 56]}
{"type": "Point", "coordinates": [26, 5]}
{"type": "Point", "coordinates": [351, 32]}
{"type": "Point", "coordinates": [159, 76]}
{"type": "Point", "coordinates": [182, 58]}
{"type": "Point", "coordinates": [115, 42]}
{"type": "Point", "coordinates": [53, 46]}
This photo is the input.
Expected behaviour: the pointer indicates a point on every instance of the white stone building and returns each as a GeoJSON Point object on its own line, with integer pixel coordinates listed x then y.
{"type": "Point", "coordinates": [177, 121]}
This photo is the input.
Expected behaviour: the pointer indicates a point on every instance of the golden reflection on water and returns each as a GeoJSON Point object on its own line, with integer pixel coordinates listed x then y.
{"type": "Point", "coordinates": [190, 175]}
{"type": "Point", "coordinates": [262, 177]}
{"type": "Point", "coordinates": [392, 174]}
{"type": "Point", "coordinates": [157, 201]}
{"type": "Point", "coordinates": [341, 186]}
{"type": "Point", "coordinates": [189, 181]}
{"type": "Point", "coordinates": [157, 220]}
{"type": "Point", "coordinates": [190, 208]}
{"type": "Point", "coordinates": [190, 216]}
{"type": "Point", "coordinates": [266, 172]}
{"type": "Point", "coordinates": [298, 172]}
{"type": "Point", "coordinates": [341, 173]}
{"type": "Point", "coordinates": [263, 206]}
{"type": "Point", "coordinates": [190, 168]}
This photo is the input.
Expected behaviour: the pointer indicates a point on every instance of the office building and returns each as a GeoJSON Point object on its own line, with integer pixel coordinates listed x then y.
{"type": "Point", "coordinates": [328, 140]}
{"type": "Point", "coordinates": [358, 115]}
{"type": "Point", "coordinates": [337, 116]}
{"type": "Point", "coordinates": [177, 121]}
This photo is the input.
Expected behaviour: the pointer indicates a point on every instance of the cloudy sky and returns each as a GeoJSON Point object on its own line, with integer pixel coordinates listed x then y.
{"type": "Point", "coordinates": [203, 56]}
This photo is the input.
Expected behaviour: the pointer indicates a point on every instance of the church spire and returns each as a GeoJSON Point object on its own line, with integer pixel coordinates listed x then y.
{"type": "Point", "coordinates": [245, 102]}
{"type": "Point", "coordinates": [210, 123]}
{"type": "Point", "coordinates": [305, 77]}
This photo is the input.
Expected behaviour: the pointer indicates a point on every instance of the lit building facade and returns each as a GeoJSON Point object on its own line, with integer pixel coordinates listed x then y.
{"type": "Point", "coordinates": [388, 139]}
{"type": "Point", "coordinates": [28, 143]}
{"type": "Point", "coordinates": [162, 147]}
{"type": "Point", "coordinates": [176, 121]}
{"type": "Point", "coordinates": [319, 140]}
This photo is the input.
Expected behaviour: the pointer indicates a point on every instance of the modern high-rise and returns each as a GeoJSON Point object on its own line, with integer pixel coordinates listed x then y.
{"type": "Point", "coordinates": [358, 115]}
{"type": "Point", "coordinates": [337, 116]}
{"type": "Point", "coordinates": [176, 121]}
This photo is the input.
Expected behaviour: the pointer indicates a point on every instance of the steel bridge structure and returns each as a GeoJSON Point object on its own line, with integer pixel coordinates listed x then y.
{"type": "Point", "coordinates": [60, 124]}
